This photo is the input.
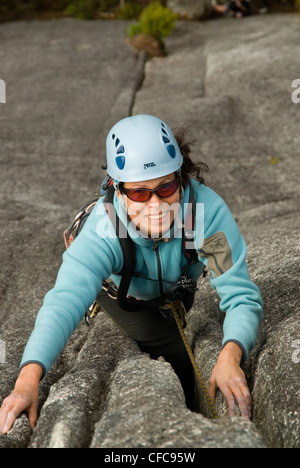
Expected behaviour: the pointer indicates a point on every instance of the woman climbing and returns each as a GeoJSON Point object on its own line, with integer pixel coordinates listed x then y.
{"type": "Point", "coordinates": [170, 226]}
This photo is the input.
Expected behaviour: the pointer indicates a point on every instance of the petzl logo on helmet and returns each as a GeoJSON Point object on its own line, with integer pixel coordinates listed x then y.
{"type": "Point", "coordinates": [120, 150]}
{"type": "Point", "coordinates": [152, 164]}
{"type": "Point", "coordinates": [166, 139]}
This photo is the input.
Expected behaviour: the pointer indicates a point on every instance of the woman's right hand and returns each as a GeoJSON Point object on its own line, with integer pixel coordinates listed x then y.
{"type": "Point", "coordinates": [24, 398]}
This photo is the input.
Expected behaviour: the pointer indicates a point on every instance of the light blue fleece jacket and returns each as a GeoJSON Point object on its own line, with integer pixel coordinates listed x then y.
{"type": "Point", "coordinates": [96, 254]}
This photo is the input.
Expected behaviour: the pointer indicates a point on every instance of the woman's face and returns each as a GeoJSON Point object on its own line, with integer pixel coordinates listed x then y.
{"type": "Point", "coordinates": [155, 216]}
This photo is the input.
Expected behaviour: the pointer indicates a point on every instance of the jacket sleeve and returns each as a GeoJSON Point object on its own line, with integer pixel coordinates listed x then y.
{"type": "Point", "coordinates": [223, 250]}
{"type": "Point", "coordinates": [89, 260]}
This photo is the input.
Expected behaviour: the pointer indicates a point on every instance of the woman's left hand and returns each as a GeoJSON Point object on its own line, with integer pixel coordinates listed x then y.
{"type": "Point", "coordinates": [228, 376]}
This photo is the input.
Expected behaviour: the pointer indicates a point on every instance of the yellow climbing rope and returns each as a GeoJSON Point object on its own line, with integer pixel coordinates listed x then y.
{"type": "Point", "coordinates": [178, 311]}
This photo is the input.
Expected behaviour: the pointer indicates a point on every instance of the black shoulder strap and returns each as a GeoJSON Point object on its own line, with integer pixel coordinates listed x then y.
{"type": "Point", "coordinates": [127, 246]}
{"type": "Point", "coordinates": [188, 246]}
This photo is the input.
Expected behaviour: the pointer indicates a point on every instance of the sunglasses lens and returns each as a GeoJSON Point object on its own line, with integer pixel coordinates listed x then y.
{"type": "Point", "coordinates": [167, 190]}
{"type": "Point", "coordinates": [138, 195]}
{"type": "Point", "coordinates": [143, 195]}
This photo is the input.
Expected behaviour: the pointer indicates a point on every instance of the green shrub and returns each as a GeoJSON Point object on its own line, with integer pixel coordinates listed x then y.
{"type": "Point", "coordinates": [82, 9]}
{"type": "Point", "coordinates": [130, 11]}
{"type": "Point", "coordinates": [134, 29]}
{"type": "Point", "coordinates": [155, 20]}
{"type": "Point", "coordinates": [88, 9]}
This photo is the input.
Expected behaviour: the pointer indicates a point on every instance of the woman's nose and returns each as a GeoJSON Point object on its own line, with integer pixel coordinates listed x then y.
{"type": "Point", "coordinates": [154, 200]}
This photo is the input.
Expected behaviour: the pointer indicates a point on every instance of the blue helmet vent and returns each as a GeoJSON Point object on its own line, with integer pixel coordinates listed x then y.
{"type": "Point", "coordinates": [171, 151]}
{"type": "Point", "coordinates": [120, 159]}
{"type": "Point", "coordinates": [165, 136]}
{"type": "Point", "coordinates": [121, 150]}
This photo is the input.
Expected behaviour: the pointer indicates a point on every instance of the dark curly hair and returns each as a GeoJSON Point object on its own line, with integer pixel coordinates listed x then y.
{"type": "Point", "coordinates": [189, 168]}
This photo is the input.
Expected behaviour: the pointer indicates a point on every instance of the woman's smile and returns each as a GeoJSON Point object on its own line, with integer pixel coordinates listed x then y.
{"type": "Point", "coordinates": [155, 216]}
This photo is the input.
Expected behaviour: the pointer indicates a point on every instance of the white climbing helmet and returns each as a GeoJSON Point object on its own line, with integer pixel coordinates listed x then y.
{"type": "Point", "coordinates": [140, 148]}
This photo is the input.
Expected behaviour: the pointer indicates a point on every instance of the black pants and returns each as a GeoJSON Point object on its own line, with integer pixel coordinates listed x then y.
{"type": "Point", "coordinates": [156, 333]}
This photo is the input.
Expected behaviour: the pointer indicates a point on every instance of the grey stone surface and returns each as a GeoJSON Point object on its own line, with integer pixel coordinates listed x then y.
{"type": "Point", "coordinates": [148, 410]}
{"type": "Point", "coordinates": [78, 399]}
{"type": "Point", "coordinates": [229, 81]}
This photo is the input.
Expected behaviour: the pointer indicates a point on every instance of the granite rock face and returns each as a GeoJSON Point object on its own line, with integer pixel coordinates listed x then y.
{"type": "Point", "coordinates": [149, 411]}
{"type": "Point", "coordinates": [229, 82]}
